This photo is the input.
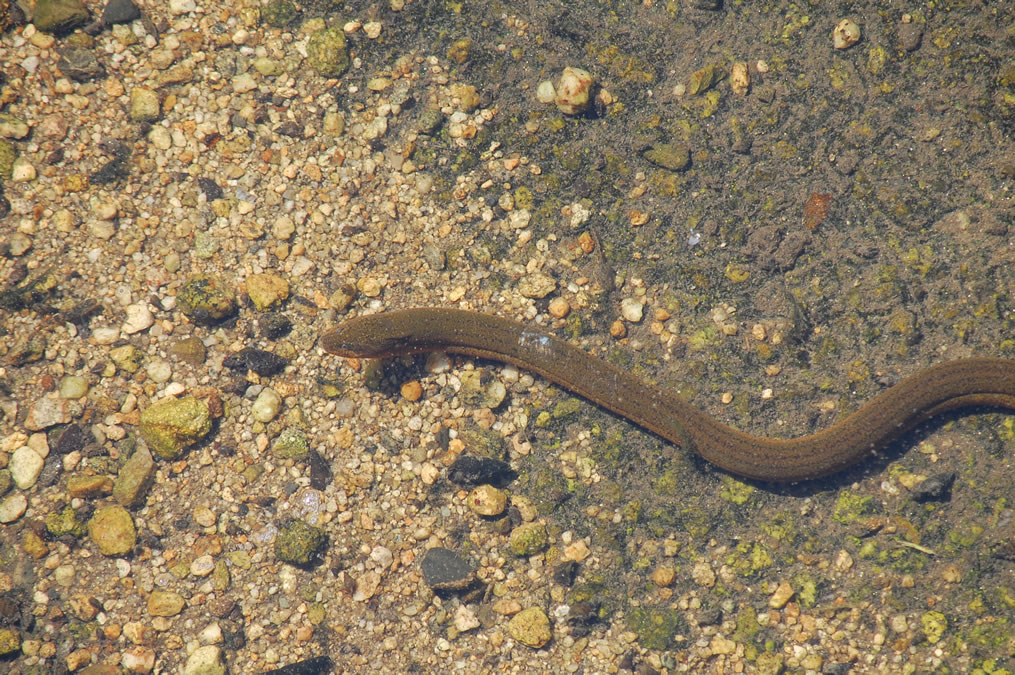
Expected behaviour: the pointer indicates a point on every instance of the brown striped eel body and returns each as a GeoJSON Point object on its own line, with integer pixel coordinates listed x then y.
{"type": "Point", "coordinates": [929, 392]}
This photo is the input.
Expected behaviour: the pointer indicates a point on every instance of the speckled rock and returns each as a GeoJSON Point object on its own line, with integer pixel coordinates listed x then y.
{"type": "Point", "coordinates": [63, 522]}
{"type": "Point", "coordinates": [165, 603]}
{"type": "Point", "coordinates": [112, 530]}
{"type": "Point", "coordinates": [59, 16]}
{"type": "Point", "coordinates": [291, 444]}
{"type": "Point", "coordinates": [10, 641]}
{"type": "Point", "coordinates": [127, 358]}
{"type": "Point", "coordinates": [171, 425]}
{"type": "Point", "coordinates": [327, 53]}
{"type": "Point", "coordinates": [298, 543]}
{"type": "Point", "coordinates": [267, 291]}
{"type": "Point", "coordinates": [139, 318]}
{"type": "Point", "coordinates": [205, 660]}
{"type": "Point", "coordinates": [537, 285]}
{"type": "Point", "coordinates": [531, 627]}
{"type": "Point", "coordinates": [528, 539]}
{"type": "Point", "coordinates": [206, 301]}
{"type": "Point", "coordinates": [13, 507]}
{"type": "Point", "coordinates": [135, 478]}
{"type": "Point", "coordinates": [81, 65]}
{"type": "Point", "coordinates": [12, 127]}
{"type": "Point", "coordinates": [486, 500]}
{"type": "Point", "coordinates": [47, 412]}
{"type": "Point", "coordinates": [73, 387]}
{"type": "Point", "coordinates": [144, 105]}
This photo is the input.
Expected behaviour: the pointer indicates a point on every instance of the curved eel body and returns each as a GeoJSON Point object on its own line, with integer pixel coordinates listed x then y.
{"type": "Point", "coordinates": [945, 386]}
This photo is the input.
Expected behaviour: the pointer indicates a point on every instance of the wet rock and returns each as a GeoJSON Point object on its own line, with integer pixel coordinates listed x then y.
{"type": "Point", "coordinates": [165, 603]}
{"type": "Point", "coordinates": [267, 405]}
{"type": "Point", "coordinates": [530, 627]}
{"type": "Point", "coordinates": [172, 425]}
{"type": "Point", "coordinates": [59, 16]}
{"type": "Point", "coordinates": [672, 156]}
{"type": "Point", "coordinates": [46, 413]}
{"type": "Point", "coordinates": [88, 487]}
{"type": "Point", "coordinates": [25, 466]}
{"type": "Point", "coordinates": [937, 488]}
{"type": "Point", "coordinates": [81, 65]}
{"type": "Point", "coordinates": [445, 570]}
{"type": "Point", "coordinates": [470, 471]}
{"type": "Point", "coordinates": [262, 362]}
{"type": "Point", "coordinates": [112, 530]}
{"type": "Point", "coordinates": [327, 52]}
{"type": "Point", "coordinates": [528, 539]}
{"type": "Point", "coordinates": [207, 660]}
{"type": "Point", "coordinates": [71, 439]}
{"type": "Point", "coordinates": [120, 11]}
{"type": "Point", "coordinates": [134, 478]}
{"type": "Point", "coordinates": [298, 543]}
{"type": "Point", "coordinates": [127, 358]}
{"type": "Point", "coordinates": [13, 507]}
{"type": "Point", "coordinates": [144, 105]}
{"type": "Point", "coordinates": [13, 127]}
{"type": "Point", "coordinates": [291, 444]}
{"type": "Point", "coordinates": [10, 641]}
{"type": "Point", "coordinates": [486, 500]}
{"type": "Point", "coordinates": [275, 326]}
{"type": "Point", "coordinates": [910, 36]}
{"type": "Point", "coordinates": [206, 301]}
{"type": "Point", "coordinates": [191, 350]}
{"type": "Point", "coordinates": [574, 91]}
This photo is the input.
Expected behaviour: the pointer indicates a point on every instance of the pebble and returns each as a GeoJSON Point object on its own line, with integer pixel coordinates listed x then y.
{"type": "Point", "coordinates": [12, 127]}
{"type": "Point", "coordinates": [486, 500]}
{"type": "Point", "coordinates": [266, 406]}
{"type": "Point", "coordinates": [465, 619]}
{"type": "Point", "coordinates": [366, 586]}
{"type": "Point", "coordinates": [171, 425]}
{"type": "Point", "coordinates": [182, 6]}
{"type": "Point", "coordinates": [165, 603]}
{"type": "Point", "coordinates": [782, 595]}
{"type": "Point", "coordinates": [531, 627]}
{"type": "Point", "coordinates": [846, 34]}
{"type": "Point", "coordinates": [19, 244]}
{"type": "Point", "coordinates": [243, 83]}
{"type": "Point", "coordinates": [445, 570]}
{"type": "Point", "coordinates": [13, 507]}
{"type": "Point", "coordinates": [47, 412]}
{"type": "Point", "coordinates": [112, 530]}
{"type": "Point", "coordinates": [144, 105]}
{"type": "Point", "coordinates": [632, 309]}
{"type": "Point", "coordinates": [545, 92]}
{"type": "Point", "coordinates": [22, 171]}
{"type": "Point", "coordinates": [139, 318]}
{"type": "Point", "coordinates": [202, 566]}
{"type": "Point", "coordinates": [159, 370]}
{"type": "Point", "coordinates": [205, 660]}
{"type": "Point", "coordinates": [573, 91]}
{"type": "Point", "coordinates": [267, 291]}
{"type": "Point", "coordinates": [138, 659]}
{"type": "Point", "coordinates": [528, 539]}
{"type": "Point", "coordinates": [372, 29]}
{"type": "Point", "coordinates": [536, 286]}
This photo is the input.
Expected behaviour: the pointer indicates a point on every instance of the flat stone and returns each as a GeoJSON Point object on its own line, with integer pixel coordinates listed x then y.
{"type": "Point", "coordinates": [531, 627]}
{"type": "Point", "coordinates": [445, 570]}
{"type": "Point", "coordinates": [25, 466]}
{"type": "Point", "coordinates": [59, 16]}
{"type": "Point", "coordinates": [170, 426]}
{"type": "Point", "coordinates": [13, 507]}
{"type": "Point", "coordinates": [205, 660]}
{"type": "Point", "coordinates": [120, 11]}
{"type": "Point", "coordinates": [112, 529]}
{"type": "Point", "coordinates": [165, 603]}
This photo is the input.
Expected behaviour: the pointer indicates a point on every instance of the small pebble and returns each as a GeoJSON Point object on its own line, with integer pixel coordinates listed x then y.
{"type": "Point", "coordinates": [266, 406]}
{"type": "Point", "coordinates": [139, 318]}
{"type": "Point", "coordinates": [632, 309]}
{"type": "Point", "coordinates": [486, 500]}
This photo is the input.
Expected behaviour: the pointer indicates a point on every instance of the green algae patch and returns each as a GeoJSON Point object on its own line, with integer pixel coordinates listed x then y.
{"type": "Point", "coordinates": [933, 624]}
{"type": "Point", "coordinates": [655, 626]}
{"type": "Point", "coordinates": [735, 491]}
{"type": "Point", "coordinates": [851, 507]}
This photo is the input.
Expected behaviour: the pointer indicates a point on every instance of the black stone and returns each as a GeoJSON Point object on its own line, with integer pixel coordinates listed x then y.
{"type": "Point", "coordinates": [317, 665]}
{"type": "Point", "coordinates": [262, 362]}
{"type": "Point", "coordinates": [445, 570]}
{"type": "Point", "coordinates": [120, 11]}
{"type": "Point", "coordinates": [275, 326]}
{"type": "Point", "coordinates": [565, 573]}
{"type": "Point", "coordinates": [320, 472]}
{"type": "Point", "coordinates": [937, 488]}
{"type": "Point", "coordinates": [71, 439]}
{"type": "Point", "coordinates": [210, 188]}
{"type": "Point", "coordinates": [469, 471]}
{"type": "Point", "coordinates": [80, 65]}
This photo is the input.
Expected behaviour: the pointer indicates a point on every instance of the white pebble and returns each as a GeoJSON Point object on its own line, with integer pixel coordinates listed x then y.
{"type": "Point", "coordinates": [632, 309]}
{"type": "Point", "coordinates": [267, 405]}
{"type": "Point", "coordinates": [139, 318]}
{"type": "Point", "coordinates": [25, 465]}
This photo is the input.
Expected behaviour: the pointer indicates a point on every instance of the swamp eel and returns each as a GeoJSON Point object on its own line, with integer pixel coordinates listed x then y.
{"type": "Point", "coordinates": [929, 392]}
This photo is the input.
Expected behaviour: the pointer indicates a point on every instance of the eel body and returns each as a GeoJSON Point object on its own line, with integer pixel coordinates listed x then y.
{"type": "Point", "coordinates": [929, 392]}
